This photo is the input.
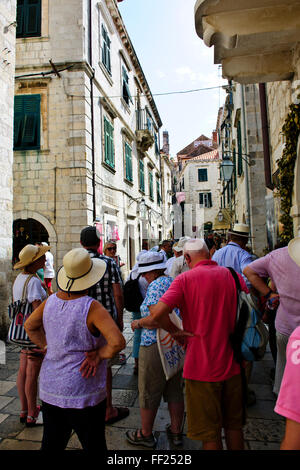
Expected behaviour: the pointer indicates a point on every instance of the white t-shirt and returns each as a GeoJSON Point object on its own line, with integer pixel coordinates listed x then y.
{"type": "Point", "coordinates": [35, 290]}
{"type": "Point", "coordinates": [49, 272]}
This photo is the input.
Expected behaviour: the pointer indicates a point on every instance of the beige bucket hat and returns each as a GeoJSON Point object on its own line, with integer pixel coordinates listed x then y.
{"type": "Point", "coordinates": [79, 271]}
{"type": "Point", "coordinates": [294, 250]}
{"type": "Point", "coordinates": [29, 254]}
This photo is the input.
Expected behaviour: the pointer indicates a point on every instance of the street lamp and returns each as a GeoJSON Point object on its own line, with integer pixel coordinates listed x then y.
{"type": "Point", "coordinates": [220, 215]}
{"type": "Point", "coordinates": [226, 168]}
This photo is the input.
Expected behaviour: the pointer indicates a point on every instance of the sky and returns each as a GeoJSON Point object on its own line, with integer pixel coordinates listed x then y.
{"type": "Point", "coordinates": [174, 58]}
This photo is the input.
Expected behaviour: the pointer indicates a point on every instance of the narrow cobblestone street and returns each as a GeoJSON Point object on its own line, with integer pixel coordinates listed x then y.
{"type": "Point", "coordinates": [264, 429]}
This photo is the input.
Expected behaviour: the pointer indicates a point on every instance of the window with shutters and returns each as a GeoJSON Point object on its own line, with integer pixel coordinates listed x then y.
{"type": "Point", "coordinates": [150, 174]}
{"type": "Point", "coordinates": [128, 163]}
{"type": "Point", "coordinates": [205, 200]}
{"type": "Point", "coordinates": [106, 49]}
{"type": "Point", "coordinates": [158, 198]}
{"type": "Point", "coordinates": [28, 18]}
{"type": "Point", "coordinates": [141, 175]}
{"type": "Point", "coordinates": [109, 157]}
{"type": "Point", "coordinates": [234, 174]}
{"type": "Point", "coordinates": [202, 174]}
{"type": "Point", "coordinates": [125, 86]}
{"type": "Point", "coordinates": [27, 117]}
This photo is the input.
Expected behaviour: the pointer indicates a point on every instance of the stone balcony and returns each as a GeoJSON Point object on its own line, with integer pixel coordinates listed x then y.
{"type": "Point", "coordinates": [255, 41]}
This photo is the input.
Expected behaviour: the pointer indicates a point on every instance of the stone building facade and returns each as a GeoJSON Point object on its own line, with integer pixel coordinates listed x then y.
{"type": "Point", "coordinates": [92, 155]}
{"type": "Point", "coordinates": [259, 42]}
{"type": "Point", "coordinates": [240, 141]}
{"type": "Point", "coordinates": [200, 183]}
{"type": "Point", "coordinates": [7, 65]}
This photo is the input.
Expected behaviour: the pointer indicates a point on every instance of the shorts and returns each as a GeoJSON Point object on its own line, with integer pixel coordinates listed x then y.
{"type": "Point", "coordinates": [152, 380]}
{"type": "Point", "coordinates": [212, 406]}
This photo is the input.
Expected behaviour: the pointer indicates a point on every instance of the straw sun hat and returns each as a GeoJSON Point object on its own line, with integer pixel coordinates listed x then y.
{"type": "Point", "coordinates": [79, 271]}
{"type": "Point", "coordinates": [29, 254]}
{"type": "Point", "coordinates": [242, 230]}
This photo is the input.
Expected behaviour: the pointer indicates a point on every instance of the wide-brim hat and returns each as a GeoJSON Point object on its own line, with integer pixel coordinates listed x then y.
{"type": "Point", "coordinates": [150, 261]}
{"type": "Point", "coordinates": [294, 250]}
{"type": "Point", "coordinates": [79, 271]}
{"type": "Point", "coordinates": [29, 254]}
{"type": "Point", "coordinates": [241, 230]}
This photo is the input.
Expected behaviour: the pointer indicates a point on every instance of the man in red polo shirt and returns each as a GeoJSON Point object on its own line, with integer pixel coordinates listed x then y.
{"type": "Point", "coordinates": [206, 297]}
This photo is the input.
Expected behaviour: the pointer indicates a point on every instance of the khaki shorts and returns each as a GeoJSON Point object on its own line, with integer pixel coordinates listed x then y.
{"type": "Point", "coordinates": [152, 380]}
{"type": "Point", "coordinates": [212, 406]}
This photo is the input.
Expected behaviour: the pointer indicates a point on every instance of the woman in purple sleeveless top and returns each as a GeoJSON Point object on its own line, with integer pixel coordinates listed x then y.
{"type": "Point", "coordinates": [78, 335]}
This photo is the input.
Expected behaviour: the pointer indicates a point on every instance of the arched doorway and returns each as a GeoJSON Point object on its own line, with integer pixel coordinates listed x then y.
{"type": "Point", "coordinates": [27, 231]}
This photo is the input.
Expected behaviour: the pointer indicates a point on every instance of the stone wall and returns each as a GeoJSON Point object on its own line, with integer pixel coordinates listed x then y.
{"type": "Point", "coordinates": [7, 64]}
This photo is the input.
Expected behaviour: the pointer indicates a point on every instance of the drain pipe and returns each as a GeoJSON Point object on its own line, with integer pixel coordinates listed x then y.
{"type": "Point", "coordinates": [246, 167]}
{"type": "Point", "coordinates": [92, 110]}
{"type": "Point", "coordinates": [265, 135]}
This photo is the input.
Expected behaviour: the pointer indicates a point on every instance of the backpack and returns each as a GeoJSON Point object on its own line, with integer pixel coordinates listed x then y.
{"type": "Point", "coordinates": [132, 295]}
{"type": "Point", "coordinates": [250, 336]}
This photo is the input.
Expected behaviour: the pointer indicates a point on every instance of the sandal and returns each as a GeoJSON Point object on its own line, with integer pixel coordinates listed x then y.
{"type": "Point", "coordinates": [23, 416]}
{"type": "Point", "coordinates": [133, 438]}
{"type": "Point", "coordinates": [31, 420]}
{"type": "Point", "coordinates": [176, 438]}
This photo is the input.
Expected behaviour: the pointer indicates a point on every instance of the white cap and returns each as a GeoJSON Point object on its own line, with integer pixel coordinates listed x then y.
{"type": "Point", "coordinates": [195, 244]}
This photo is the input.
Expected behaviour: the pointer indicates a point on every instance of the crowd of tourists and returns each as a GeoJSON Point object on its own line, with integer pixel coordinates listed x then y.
{"type": "Point", "coordinates": [75, 337]}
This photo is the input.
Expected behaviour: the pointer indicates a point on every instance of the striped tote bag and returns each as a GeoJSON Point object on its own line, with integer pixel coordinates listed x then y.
{"type": "Point", "coordinates": [18, 313]}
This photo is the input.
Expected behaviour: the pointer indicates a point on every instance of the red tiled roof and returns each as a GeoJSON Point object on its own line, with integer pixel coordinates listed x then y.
{"type": "Point", "coordinates": [213, 155]}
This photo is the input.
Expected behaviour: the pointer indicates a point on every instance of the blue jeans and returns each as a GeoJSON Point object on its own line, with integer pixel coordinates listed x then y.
{"type": "Point", "coordinates": [136, 336]}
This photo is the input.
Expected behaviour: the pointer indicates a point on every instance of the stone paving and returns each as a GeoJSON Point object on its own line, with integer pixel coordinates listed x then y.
{"type": "Point", "coordinates": [264, 429]}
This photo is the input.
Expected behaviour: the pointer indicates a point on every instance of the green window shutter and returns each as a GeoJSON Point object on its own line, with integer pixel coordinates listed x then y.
{"type": "Point", "coordinates": [158, 192]}
{"type": "Point", "coordinates": [234, 170]}
{"type": "Point", "coordinates": [202, 174]}
{"type": "Point", "coordinates": [27, 122]}
{"type": "Point", "coordinates": [150, 185]}
{"type": "Point", "coordinates": [128, 162]}
{"type": "Point", "coordinates": [109, 143]}
{"type": "Point", "coordinates": [240, 151]}
{"type": "Point", "coordinates": [126, 91]}
{"type": "Point", "coordinates": [20, 19]}
{"type": "Point", "coordinates": [33, 18]}
{"type": "Point", "coordinates": [142, 175]}
{"type": "Point", "coordinates": [28, 18]}
{"type": "Point", "coordinates": [106, 50]}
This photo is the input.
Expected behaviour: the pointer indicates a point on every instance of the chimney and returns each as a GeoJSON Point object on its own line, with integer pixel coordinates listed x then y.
{"type": "Point", "coordinates": [215, 137]}
{"type": "Point", "coordinates": [166, 146]}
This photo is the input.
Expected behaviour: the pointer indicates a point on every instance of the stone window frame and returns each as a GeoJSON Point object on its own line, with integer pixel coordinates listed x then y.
{"type": "Point", "coordinates": [44, 33]}
{"type": "Point", "coordinates": [34, 87]}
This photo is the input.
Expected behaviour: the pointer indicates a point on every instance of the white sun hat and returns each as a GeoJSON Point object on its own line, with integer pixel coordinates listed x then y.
{"type": "Point", "coordinates": [150, 261]}
{"type": "Point", "coordinates": [294, 250]}
{"type": "Point", "coordinates": [79, 271]}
